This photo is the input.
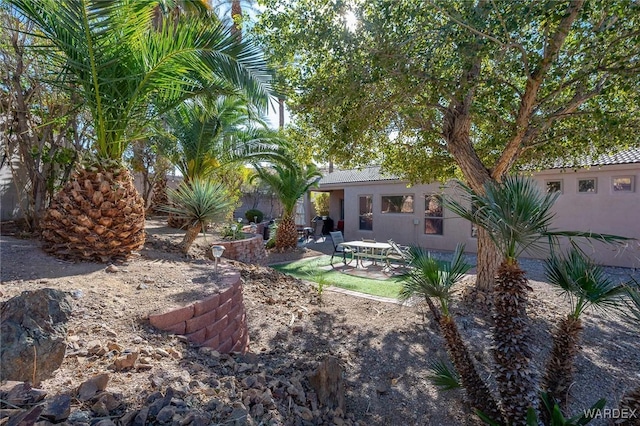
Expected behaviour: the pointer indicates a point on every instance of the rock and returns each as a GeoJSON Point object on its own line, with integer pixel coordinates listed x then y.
{"type": "Point", "coordinates": [26, 418]}
{"type": "Point", "coordinates": [162, 353]}
{"type": "Point", "coordinates": [79, 416]}
{"type": "Point", "coordinates": [20, 393]}
{"type": "Point", "coordinates": [304, 413]}
{"type": "Point", "coordinates": [238, 416]}
{"type": "Point", "coordinates": [175, 354]}
{"type": "Point", "coordinates": [328, 383]}
{"type": "Point", "coordinates": [382, 388]}
{"type": "Point", "coordinates": [125, 362]}
{"type": "Point", "coordinates": [112, 269]}
{"type": "Point", "coordinates": [141, 417]}
{"type": "Point", "coordinates": [58, 408]}
{"type": "Point", "coordinates": [142, 287]}
{"type": "Point", "coordinates": [33, 330]}
{"type": "Point", "coordinates": [91, 387]}
{"type": "Point", "coordinates": [105, 422]}
{"type": "Point", "coordinates": [112, 346]}
{"type": "Point", "coordinates": [166, 414]}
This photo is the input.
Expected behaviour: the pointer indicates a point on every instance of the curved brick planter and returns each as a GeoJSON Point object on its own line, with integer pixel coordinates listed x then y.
{"type": "Point", "coordinates": [218, 321]}
{"type": "Point", "coordinates": [249, 250]}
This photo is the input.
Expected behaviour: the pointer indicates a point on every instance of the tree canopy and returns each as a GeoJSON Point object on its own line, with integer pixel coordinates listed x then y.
{"type": "Point", "coordinates": [488, 84]}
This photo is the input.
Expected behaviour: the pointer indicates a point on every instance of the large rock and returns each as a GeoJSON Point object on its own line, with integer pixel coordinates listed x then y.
{"type": "Point", "coordinates": [32, 334]}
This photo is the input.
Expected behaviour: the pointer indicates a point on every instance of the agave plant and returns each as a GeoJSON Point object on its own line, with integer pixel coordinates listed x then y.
{"type": "Point", "coordinates": [129, 64]}
{"type": "Point", "coordinates": [199, 203]}
{"type": "Point", "coordinates": [433, 279]}
{"type": "Point", "coordinates": [289, 183]}
{"type": "Point", "coordinates": [586, 285]}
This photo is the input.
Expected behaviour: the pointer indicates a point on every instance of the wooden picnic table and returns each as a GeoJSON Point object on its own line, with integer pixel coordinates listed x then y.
{"type": "Point", "coordinates": [362, 250]}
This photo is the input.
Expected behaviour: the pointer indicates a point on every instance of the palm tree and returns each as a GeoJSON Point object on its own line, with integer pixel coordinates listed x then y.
{"type": "Point", "coordinates": [289, 184]}
{"type": "Point", "coordinates": [517, 216]}
{"type": "Point", "coordinates": [586, 285]}
{"type": "Point", "coordinates": [433, 279]}
{"type": "Point", "coordinates": [129, 70]}
{"type": "Point", "coordinates": [203, 135]}
{"type": "Point", "coordinates": [200, 203]}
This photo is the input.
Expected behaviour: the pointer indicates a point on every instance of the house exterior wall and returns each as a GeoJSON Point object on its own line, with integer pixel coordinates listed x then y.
{"type": "Point", "coordinates": [602, 211]}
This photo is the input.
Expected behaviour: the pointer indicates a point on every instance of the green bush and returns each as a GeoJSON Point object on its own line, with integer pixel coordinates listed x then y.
{"type": "Point", "coordinates": [252, 213]}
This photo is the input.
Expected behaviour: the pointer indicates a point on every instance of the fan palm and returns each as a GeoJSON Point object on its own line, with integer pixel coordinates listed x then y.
{"type": "Point", "coordinates": [517, 216]}
{"type": "Point", "coordinates": [129, 69]}
{"type": "Point", "coordinates": [586, 285]}
{"type": "Point", "coordinates": [289, 183]}
{"type": "Point", "coordinates": [199, 203]}
{"type": "Point", "coordinates": [433, 279]}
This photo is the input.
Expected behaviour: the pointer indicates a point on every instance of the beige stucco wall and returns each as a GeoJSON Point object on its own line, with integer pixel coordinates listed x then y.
{"type": "Point", "coordinates": [603, 212]}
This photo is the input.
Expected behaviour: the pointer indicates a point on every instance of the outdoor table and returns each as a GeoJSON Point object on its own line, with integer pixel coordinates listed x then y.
{"type": "Point", "coordinates": [362, 250]}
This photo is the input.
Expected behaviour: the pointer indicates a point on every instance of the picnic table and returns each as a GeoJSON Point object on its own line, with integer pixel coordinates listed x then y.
{"type": "Point", "coordinates": [366, 250]}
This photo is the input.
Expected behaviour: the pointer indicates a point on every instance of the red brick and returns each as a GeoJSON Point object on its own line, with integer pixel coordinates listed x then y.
{"type": "Point", "coordinates": [225, 347]}
{"type": "Point", "coordinates": [226, 295]}
{"type": "Point", "coordinates": [205, 305]}
{"type": "Point", "coordinates": [196, 323]}
{"type": "Point", "coordinates": [224, 309]}
{"type": "Point", "coordinates": [237, 298]}
{"type": "Point", "coordinates": [216, 328]}
{"type": "Point", "coordinates": [229, 330]}
{"type": "Point", "coordinates": [173, 317]}
{"type": "Point", "coordinates": [239, 346]}
{"type": "Point", "coordinates": [179, 328]}
{"type": "Point", "coordinates": [235, 312]}
{"type": "Point", "coordinates": [214, 342]}
{"type": "Point", "coordinates": [237, 334]}
{"type": "Point", "coordinates": [198, 337]}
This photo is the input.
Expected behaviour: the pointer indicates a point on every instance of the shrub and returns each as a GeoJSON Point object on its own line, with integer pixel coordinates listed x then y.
{"type": "Point", "coordinates": [251, 215]}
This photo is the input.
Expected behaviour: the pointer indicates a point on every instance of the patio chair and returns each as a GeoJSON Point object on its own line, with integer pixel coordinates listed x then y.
{"type": "Point", "coordinates": [399, 254]}
{"type": "Point", "coordinates": [337, 239]}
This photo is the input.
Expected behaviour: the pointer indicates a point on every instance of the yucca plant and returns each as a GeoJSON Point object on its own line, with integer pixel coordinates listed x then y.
{"type": "Point", "coordinates": [289, 183]}
{"type": "Point", "coordinates": [129, 64]}
{"type": "Point", "coordinates": [432, 279]}
{"type": "Point", "coordinates": [586, 285]}
{"type": "Point", "coordinates": [199, 203]}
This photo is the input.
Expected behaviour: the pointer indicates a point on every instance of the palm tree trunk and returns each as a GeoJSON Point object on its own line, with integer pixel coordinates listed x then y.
{"type": "Point", "coordinates": [559, 370]}
{"type": "Point", "coordinates": [477, 391]}
{"type": "Point", "coordinates": [488, 263]}
{"type": "Point", "coordinates": [511, 343]}
{"type": "Point", "coordinates": [287, 234]}
{"type": "Point", "coordinates": [97, 216]}
{"type": "Point", "coordinates": [190, 236]}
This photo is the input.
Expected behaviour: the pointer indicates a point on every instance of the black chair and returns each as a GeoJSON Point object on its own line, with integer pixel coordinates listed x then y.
{"type": "Point", "coordinates": [337, 239]}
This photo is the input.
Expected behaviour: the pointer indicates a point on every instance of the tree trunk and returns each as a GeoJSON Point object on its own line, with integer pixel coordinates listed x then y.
{"type": "Point", "coordinates": [477, 391]}
{"type": "Point", "coordinates": [97, 216]}
{"type": "Point", "coordinates": [287, 234]}
{"type": "Point", "coordinates": [190, 237]}
{"type": "Point", "coordinates": [488, 262]}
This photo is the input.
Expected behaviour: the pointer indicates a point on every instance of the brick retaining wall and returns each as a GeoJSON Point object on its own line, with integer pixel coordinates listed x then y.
{"type": "Point", "coordinates": [250, 250]}
{"type": "Point", "coordinates": [218, 321]}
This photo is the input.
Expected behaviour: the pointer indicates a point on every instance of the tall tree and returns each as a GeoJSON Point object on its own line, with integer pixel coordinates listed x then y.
{"type": "Point", "coordinates": [484, 86]}
{"type": "Point", "coordinates": [129, 68]}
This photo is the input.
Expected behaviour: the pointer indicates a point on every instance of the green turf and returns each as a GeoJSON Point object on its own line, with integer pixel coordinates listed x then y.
{"type": "Point", "coordinates": [308, 269]}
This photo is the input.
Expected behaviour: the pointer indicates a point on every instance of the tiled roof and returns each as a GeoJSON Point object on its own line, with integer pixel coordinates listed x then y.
{"type": "Point", "coordinates": [367, 174]}
{"type": "Point", "coordinates": [372, 173]}
{"type": "Point", "coordinates": [628, 156]}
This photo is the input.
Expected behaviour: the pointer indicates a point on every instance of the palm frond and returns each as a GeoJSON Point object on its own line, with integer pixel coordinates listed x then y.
{"type": "Point", "coordinates": [289, 182]}
{"type": "Point", "coordinates": [430, 277]}
{"type": "Point", "coordinates": [632, 301]}
{"type": "Point", "coordinates": [443, 375]}
{"type": "Point", "coordinates": [583, 282]}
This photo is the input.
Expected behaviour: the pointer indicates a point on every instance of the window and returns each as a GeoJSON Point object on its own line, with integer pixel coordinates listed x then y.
{"type": "Point", "coordinates": [397, 204]}
{"type": "Point", "coordinates": [587, 185]}
{"type": "Point", "coordinates": [623, 184]}
{"type": "Point", "coordinates": [553, 186]}
{"type": "Point", "coordinates": [366, 212]}
{"type": "Point", "coordinates": [433, 222]}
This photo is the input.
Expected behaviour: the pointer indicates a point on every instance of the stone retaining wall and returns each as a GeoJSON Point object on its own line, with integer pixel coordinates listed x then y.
{"type": "Point", "coordinates": [250, 250]}
{"type": "Point", "coordinates": [218, 321]}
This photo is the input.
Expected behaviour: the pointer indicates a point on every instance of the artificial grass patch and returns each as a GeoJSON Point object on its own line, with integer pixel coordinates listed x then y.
{"type": "Point", "coordinates": [316, 270]}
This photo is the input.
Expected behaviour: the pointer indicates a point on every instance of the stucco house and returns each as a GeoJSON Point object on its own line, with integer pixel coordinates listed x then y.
{"type": "Point", "coordinates": [600, 195]}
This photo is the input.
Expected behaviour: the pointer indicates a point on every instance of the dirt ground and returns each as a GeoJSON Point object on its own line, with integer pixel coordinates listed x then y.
{"type": "Point", "coordinates": [385, 348]}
